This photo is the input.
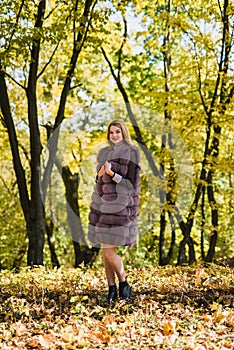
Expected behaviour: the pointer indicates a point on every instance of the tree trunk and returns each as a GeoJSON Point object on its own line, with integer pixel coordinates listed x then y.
{"type": "Point", "coordinates": [189, 224]}
{"type": "Point", "coordinates": [36, 227]}
{"type": "Point", "coordinates": [50, 240]}
{"type": "Point", "coordinates": [203, 217]}
{"type": "Point", "coordinates": [71, 182]}
{"type": "Point", "coordinates": [214, 220]}
{"type": "Point", "coordinates": [32, 208]}
{"type": "Point", "coordinates": [173, 238]}
{"type": "Point", "coordinates": [211, 197]}
{"type": "Point", "coordinates": [162, 260]}
{"type": "Point", "coordinates": [82, 252]}
{"type": "Point", "coordinates": [19, 257]}
{"type": "Point", "coordinates": [9, 124]}
{"type": "Point", "coordinates": [220, 100]}
{"type": "Point", "coordinates": [77, 47]}
{"type": "Point", "coordinates": [167, 141]}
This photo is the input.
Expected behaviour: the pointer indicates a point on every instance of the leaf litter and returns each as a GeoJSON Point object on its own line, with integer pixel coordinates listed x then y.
{"type": "Point", "coordinates": [171, 308]}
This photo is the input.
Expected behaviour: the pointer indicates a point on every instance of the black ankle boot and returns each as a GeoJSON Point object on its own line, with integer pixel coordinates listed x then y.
{"type": "Point", "coordinates": [124, 290]}
{"type": "Point", "coordinates": [112, 294]}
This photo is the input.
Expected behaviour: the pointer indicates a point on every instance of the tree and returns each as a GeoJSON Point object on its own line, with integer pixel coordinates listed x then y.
{"type": "Point", "coordinates": [77, 19]}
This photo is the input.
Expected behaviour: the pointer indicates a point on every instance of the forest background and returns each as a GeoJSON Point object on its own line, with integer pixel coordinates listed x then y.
{"type": "Point", "coordinates": [69, 67]}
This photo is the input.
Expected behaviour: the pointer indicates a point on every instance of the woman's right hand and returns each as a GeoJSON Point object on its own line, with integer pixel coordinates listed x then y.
{"type": "Point", "coordinates": [101, 171]}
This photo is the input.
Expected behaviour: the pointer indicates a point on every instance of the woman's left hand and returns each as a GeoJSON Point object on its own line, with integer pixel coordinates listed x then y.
{"type": "Point", "coordinates": [108, 169]}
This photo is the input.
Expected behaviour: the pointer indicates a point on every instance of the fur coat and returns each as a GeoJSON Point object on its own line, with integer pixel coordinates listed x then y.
{"type": "Point", "coordinates": [113, 213]}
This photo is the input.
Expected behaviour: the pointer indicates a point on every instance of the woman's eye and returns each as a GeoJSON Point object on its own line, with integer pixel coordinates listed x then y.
{"type": "Point", "coordinates": [115, 132]}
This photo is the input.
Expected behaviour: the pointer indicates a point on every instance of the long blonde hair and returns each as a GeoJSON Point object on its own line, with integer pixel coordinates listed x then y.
{"type": "Point", "coordinates": [125, 132]}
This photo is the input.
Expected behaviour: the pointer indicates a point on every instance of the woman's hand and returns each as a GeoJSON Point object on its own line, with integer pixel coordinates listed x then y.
{"type": "Point", "coordinates": [108, 170]}
{"type": "Point", "coordinates": [101, 171]}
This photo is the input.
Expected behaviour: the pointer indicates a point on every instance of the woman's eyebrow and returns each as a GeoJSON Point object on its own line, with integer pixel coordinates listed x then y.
{"type": "Point", "coordinates": [115, 130]}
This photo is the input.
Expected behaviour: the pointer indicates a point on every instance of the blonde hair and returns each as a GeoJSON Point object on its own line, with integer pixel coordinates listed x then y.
{"type": "Point", "coordinates": [125, 132]}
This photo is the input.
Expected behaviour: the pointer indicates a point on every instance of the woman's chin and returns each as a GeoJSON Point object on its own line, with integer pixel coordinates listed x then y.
{"type": "Point", "coordinates": [118, 142]}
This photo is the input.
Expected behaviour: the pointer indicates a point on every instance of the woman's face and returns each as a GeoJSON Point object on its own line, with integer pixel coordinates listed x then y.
{"type": "Point", "coordinates": [115, 135]}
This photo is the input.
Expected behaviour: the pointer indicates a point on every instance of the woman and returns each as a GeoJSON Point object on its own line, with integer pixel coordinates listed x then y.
{"type": "Point", "coordinates": [114, 209]}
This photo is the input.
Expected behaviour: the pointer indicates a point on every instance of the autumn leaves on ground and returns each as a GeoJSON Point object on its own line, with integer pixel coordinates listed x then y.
{"type": "Point", "coordinates": [171, 308]}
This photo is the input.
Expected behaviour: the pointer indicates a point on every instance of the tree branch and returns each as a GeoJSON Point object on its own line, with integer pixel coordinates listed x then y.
{"type": "Point", "coordinates": [15, 81]}
{"type": "Point", "coordinates": [19, 171]}
{"type": "Point", "coordinates": [121, 47]}
{"type": "Point", "coordinates": [16, 23]}
{"type": "Point", "coordinates": [76, 86]}
{"type": "Point", "coordinates": [74, 22]}
{"type": "Point", "coordinates": [51, 11]}
{"type": "Point", "coordinates": [50, 60]}
{"type": "Point", "coordinates": [77, 47]}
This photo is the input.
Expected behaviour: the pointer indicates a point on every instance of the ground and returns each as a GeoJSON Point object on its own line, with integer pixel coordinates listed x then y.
{"type": "Point", "coordinates": [171, 308]}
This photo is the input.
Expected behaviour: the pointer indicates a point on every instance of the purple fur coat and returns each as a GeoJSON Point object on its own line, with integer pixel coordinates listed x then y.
{"type": "Point", "coordinates": [113, 213]}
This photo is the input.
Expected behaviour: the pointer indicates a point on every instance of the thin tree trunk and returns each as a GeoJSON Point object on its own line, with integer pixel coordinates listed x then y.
{"type": "Point", "coordinates": [167, 117]}
{"type": "Point", "coordinates": [173, 238]}
{"type": "Point", "coordinates": [167, 138]}
{"type": "Point", "coordinates": [50, 226]}
{"type": "Point", "coordinates": [82, 252]}
{"type": "Point", "coordinates": [36, 225]}
{"type": "Point", "coordinates": [224, 99]}
{"type": "Point", "coordinates": [19, 170]}
{"type": "Point", "coordinates": [191, 215]}
{"type": "Point", "coordinates": [203, 216]}
{"type": "Point", "coordinates": [211, 196]}
{"type": "Point", "coordinates": [50, 240]}
{"type": "Point", "coordinates": [162, 260]}
{"type": "Point", "coordinates": [214, 219]}
{"type": "Point", "coordinates": [19, 257]}
{"type": "Point", "coordinates": [71, 182]}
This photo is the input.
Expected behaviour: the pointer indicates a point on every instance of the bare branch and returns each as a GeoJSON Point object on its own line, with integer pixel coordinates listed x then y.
{"type": "Point", "coordinates": [16, 23]}
{"type": "Point", "coordinates": [224, 56]}
{"type": "Point", "coordinates": [5, 185]}
{"type": "Point", "coordinates": [25, 152]}
{"type": "Point", "coordinates": [88, 25]}
{"type": "Point", "coordinates": [50, 60]}
{"type": "Point", "coordinates": [122, 45]}
{"type": "Point", "coordinates": [80, 161]}
{"type": "Point", "coordinates": [76, 86]}
{"type": "Point", "coordinates": [74, 21]}
{"type": "Point", "coordinates": [199, 82]}
{"type": "Point", "coordinates": [15, 81]}
{"type": "Point", "coordinates": [220, 8]}
{"type": "Point", "coordinates": [50, 13]}
{"type": "Point", "coordinates": [109, 64]}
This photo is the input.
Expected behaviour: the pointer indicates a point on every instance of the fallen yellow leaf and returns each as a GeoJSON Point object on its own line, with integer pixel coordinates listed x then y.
{"type": "Point", "coordinates": [207, 318]}
{"type": "Point", "coordinates": [169, 328]}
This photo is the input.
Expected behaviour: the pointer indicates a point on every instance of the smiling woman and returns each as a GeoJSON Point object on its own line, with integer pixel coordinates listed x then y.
{"type": "Point", "coordinates": [114, 209]}
{"type": "Point", "coordinates": [115, 135]}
